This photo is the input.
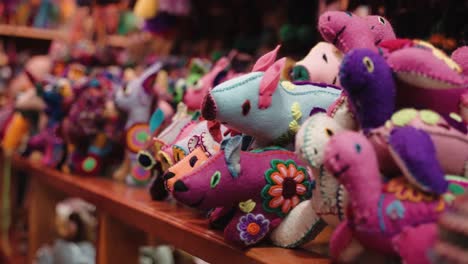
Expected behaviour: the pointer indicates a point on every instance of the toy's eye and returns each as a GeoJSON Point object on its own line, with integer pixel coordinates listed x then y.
{"type": "Point", "coordinates": [246, 107]}
{"type": "Point", "coordinates": [198, 85]}
{"type": "Point", "coordinates": [358, 148]}
{"type": "Point", "coordinates": [300, 73]}
{"type": "Point", "coordinates": [368, 63]}
{"type": "Point", "coordinates": [193, 161]}
{"type": "Point", "coordinates": [382, 20]}
{"type": "Point", "coordinates": [329, 132]}
{"type": "Point", "coordinates": [215, 179]}
{"type": "Point", "coordinates": [349, 13]}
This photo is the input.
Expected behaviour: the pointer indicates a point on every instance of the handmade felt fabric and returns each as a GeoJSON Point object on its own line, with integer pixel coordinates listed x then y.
{"type": "Point", "coordinates": [450, 244]}
{"type": "Point", "coordinates": [321, 65]}
{"type": "Point", "coordinates": [260, 105]}
{"type": "Point", "coordinates": [151, 152]}
{"type": "Point", "coordinates": [427, 78]}
{"type": "Point", "coordinates": [450, 140]}
{"type": "Point", "coordinates": [327, 205]}
{"type": "Point", "coordinates": [460, 56]}
{"type": "Point", "coordinates": [381, 216]}
{"type": "Point", "coordinates": [136, 99]}
{"type": "Point", "coordinates": [196, 92]}
{"type": "Point", "coordinates": [266, 186]}
{"type": "Point", "coordinates": [369, 84]}
{"type": "Point", "coordinates": [348, 31]}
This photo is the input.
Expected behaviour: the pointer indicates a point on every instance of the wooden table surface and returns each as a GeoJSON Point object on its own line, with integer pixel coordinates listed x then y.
{"type": "Point", "coordinates": [172, 223]}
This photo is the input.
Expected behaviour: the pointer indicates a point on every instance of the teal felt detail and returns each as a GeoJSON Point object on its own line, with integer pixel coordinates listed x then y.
{"type": "Point", "coordinates": [380, 213]}
{"type": "Point", "coordinates": [232, 148]}
{"type": "Point", "coordinates": [156, 120]}
{"type": "Point", "coordinates": [395, 210]}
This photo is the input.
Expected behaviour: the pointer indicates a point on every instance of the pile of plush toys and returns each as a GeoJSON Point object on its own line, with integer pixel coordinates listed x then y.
{"type": "Point", "coordinates": [368, 135]}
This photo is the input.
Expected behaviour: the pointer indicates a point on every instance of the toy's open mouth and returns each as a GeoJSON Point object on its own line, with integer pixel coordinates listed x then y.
{"type": "Point", "coordinates": [338, 34]}
{"type": "Point", "coordinates": [343, 170]}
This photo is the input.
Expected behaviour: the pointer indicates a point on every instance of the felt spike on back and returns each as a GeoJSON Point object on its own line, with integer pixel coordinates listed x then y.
{"type": "Point", "coordinates": [264, 62]}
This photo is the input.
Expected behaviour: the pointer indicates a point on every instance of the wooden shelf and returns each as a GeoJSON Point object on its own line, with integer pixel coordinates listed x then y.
{"type": "Point", "coordinates": [52, 34]}
{"type": "Point", "coordinates": [175, 224]}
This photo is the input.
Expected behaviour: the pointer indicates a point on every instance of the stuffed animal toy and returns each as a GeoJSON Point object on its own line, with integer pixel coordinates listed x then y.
{"type": "Point", "coordinates": [327, 205]}
{"type": "Point", "coordinates": [136, 100]}
{"type": "Point", "coordinates": [264, 192]}
{"type": "Point", "coordinates": [347, 31]}
{"type": "Point", "coordinates": [75, 222]}
{"type": "Point", "coordinates": [321, 65]}
{"type": "Point", "coordinates": [427, 77]}
{"type": "Point", "coordinates": [197, 91]}
{"type": "Point", "coordinates": [370, 87]}
{"type": "Point", "coordinates": [84, 131]}
{"type": "Point", "coordinates": [382, 217]}
{"type": "Point", "coordinates": [149, 155]}
{"type": "Point", "coordinates": [258, 104]}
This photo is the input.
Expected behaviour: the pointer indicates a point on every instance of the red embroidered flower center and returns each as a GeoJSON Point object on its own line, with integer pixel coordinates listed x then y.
{"type": "Point", "coordinates": [289, 188]}
{"type": "Point", "coordinates": [253, 229]}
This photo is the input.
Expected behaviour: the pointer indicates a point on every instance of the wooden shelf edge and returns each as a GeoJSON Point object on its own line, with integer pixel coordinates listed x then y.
{"type": "Point", "coordinates": [134, 207]}
{"type": "Point", "coordinates": [53, 34]}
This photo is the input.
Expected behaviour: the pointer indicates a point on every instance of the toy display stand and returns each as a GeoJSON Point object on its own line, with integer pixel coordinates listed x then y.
{"type": "Point", "coordinates": [128, 219]}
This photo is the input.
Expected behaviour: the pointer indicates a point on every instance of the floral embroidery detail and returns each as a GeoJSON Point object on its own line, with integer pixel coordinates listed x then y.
{"type": "Point", "coordinates": [287, 185]}
{"type": "Point", "coordinates": [253, 228]}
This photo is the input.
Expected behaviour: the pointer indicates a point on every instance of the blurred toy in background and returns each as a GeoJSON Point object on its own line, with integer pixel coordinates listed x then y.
{"type": "Point", "coordinates": [137, 99]}
{"type": "Point", "coordinates": [76, 222]}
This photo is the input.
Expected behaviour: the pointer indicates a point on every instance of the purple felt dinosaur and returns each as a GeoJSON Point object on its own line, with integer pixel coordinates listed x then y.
{"type": "Point", "coordinates": [263, 185]}
{"type": "Point", "coordinates": [381, 217]}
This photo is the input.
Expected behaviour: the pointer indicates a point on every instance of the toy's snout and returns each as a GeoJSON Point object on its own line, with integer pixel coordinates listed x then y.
{"type": "Point", "coordinates": [209, 108]}
{"type": "Point", "coordinates": [179, 186]}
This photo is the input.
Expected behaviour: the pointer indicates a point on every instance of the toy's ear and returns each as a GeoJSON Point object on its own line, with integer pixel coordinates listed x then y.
{"type": "Point", "coordinates": [156, 120]}
{"type": "Point", "coordinates": [148, 82]}
{"type": "Point", "coordinates": [221, 64]}
{"type": "Point", "coordinates": [264, 62]}
{"type": "Point", "coordinates": [232, 148]}
{"type": "Point", "coordinates": [269, 83]}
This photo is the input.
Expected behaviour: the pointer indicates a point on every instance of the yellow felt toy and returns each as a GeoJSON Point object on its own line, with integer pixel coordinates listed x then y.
{"type": "Point", "coordinates": [146, 8]}
{"type": "Point", "coordinates": [15, 132]}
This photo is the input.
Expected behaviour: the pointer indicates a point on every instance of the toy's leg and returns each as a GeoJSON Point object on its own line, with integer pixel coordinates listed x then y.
{"type": "Point", "coordinates": [247, 229]}
{"type": "Point", "coordinates": [301, 225]}
{"type": "Point", "coordinates": [414, 243]}
{"type": "Point", "coordinates": [123, 170]}
{"type": "Point", "coordinates": [343, 248]}
{"type": "Point", "coordinates": [415, 154]}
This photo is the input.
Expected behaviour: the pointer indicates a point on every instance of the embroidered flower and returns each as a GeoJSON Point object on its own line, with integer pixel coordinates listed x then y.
{"type": "Point", "coordinates": [287, 185]}
{"type": "Point", "coordinates": [253, 228]}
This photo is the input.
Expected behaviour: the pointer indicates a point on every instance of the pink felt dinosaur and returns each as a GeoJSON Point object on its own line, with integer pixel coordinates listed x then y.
{"type": "Point", "coordinates": [382, 217]}
{"type": "Point", "coordinates": [348, 31]}
{"type": "Point", "coordinates": [195, 93]}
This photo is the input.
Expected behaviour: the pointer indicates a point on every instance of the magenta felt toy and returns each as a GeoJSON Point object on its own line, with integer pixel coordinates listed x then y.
{"type": "Point", "coordinates": [381, 217]}
{"type": "Point", "coordinates": [450, 139]}
{"type": "Point", "coordinates": [136, 99]}
{"type": "Point", "coordinates": [195, 93]}
{"type": "Point", "coordinates": [427, 77]}
{"type": "Point", "coordinates": [264, 185]}
{"type": "Point", "coordinates": [348, 31]}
